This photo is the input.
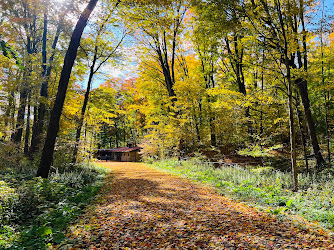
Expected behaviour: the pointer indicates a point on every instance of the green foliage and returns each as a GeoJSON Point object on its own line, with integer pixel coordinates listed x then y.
{"type": "Point", "coordinates": [10, 156]}
{"type": "Point", "coordinates": [9, 52]}
{"type": "Point", "coordinates": [264, 187]}
{"type": "Point", "coordinates": [36, 211]}
{"type": "Point", "coordinates": [258, 151]}
{"type": "Point", "coordinates": [276, 162]}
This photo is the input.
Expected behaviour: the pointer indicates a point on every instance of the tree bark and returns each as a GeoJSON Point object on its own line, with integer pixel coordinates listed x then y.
{"type": "Point", "coordinates": [301, 131]}
{"type": "Point", "coordinates": [302, 87]}
{"type": "Point", "coordinates": [303, 91]}
{"type": "Point", "coordinates": [163, 60]}
{"type": "Point", "coordinates": [328, 134]}
{"type": "Point", "coordinates": [212, 132]}
{"type": "Point", "coordinates": [27, 135]}
{"type": "Point", "coordinates": [17, 136]}
{"type": "Point", "coordinates": [237, 66]}
{"type": "Point", "coordinates": [83, 109]}
{"type": "Point", "coordinates": [290, 101]}
{"type": "Point", "coordinates": [292, 139]}
{"type": "Point", "coordinates": [53, 128]}
{"type": "Point", "coordinates": [39, 122]}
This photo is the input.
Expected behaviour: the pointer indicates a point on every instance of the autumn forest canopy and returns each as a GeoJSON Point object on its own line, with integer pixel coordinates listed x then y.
{"type": "Point", "coordinates": [253, 77]}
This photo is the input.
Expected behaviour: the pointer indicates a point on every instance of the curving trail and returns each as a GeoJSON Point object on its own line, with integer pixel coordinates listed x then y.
{"type": "Point", "coordinates": [141, 208]}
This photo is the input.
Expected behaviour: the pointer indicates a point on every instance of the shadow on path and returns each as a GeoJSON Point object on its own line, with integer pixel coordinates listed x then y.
{"type": "Point", "coordinates": [141, 208]}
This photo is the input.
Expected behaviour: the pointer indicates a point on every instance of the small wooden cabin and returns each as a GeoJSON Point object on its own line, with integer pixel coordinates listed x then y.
{"type": "Point", "coordinates": [120, 154]}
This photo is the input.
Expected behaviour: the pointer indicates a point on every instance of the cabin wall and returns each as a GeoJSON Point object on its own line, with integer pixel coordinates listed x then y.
{"type": "Point", "coordinates": [137, 155]}
{"type": "Point", "coordinates": [116, 156]}
{"type": "Point", "coordinates": [126, 156]}
{"type": "Point", "coordinates": [130, 156]}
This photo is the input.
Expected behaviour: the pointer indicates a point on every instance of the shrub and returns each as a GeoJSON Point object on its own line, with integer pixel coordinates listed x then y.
{"type": "Point", "coordinates": [148, 152]}
{"type": "Point", "coordinates": [36, 211]}
{"type": "Point", "coordinates": [10, 155]}
{"type": "Point", "coordinates": [7, 200]}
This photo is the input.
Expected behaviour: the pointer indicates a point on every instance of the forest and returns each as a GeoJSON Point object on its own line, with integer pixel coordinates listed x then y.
{"type": "Point", "coordinates": [237, 94]}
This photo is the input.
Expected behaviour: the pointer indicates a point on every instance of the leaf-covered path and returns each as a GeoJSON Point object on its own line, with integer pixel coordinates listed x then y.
{"type": "Point", "coordinates": [141, 208]}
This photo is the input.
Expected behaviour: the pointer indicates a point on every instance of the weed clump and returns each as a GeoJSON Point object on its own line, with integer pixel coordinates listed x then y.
{"type": "Point", "coordinates": [35, 212]}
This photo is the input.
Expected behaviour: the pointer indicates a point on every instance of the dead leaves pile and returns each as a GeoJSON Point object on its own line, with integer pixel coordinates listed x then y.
{"type": "Point", "coordinates": [140, 208]}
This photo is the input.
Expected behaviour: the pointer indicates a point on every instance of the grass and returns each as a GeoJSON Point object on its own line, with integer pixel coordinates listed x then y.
{"type": "Point", "coordinates": [264, 188]}
{"type": "Point", "coordinates": [36, 212]}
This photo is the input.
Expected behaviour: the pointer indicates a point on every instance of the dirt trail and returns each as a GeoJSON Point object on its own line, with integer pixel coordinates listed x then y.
{"type": "Point", "coordinates": [141, 208]}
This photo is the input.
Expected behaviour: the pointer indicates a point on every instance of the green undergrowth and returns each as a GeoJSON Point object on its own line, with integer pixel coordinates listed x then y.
{"type": "Point", "coordinates": [36, 212]}
{"type": "Point", "coordinates": [264, 188]}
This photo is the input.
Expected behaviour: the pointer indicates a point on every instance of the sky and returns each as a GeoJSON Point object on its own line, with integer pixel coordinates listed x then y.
{"type": "Point", "coordinates": [124, 68]}
{"type": "Point", "coordinates": [128, 66]}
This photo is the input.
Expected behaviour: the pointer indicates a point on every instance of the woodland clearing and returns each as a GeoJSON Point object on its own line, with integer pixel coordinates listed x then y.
{"type": "Point", "coordinates": [236, 95]}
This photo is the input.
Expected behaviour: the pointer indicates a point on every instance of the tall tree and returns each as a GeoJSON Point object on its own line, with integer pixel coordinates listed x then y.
{"type": "Point", "coordinates": [266, 21]}
{"type": "Point", "coordinates": [47, 65]}
{"type": "Point", "coordinates": [161, 26]}
{"type": "Point", "coordinates": [53, 128]}
{"type": "Point", "coordinates": [226, 24]}
{"type": "Point", "coordinates": [103, 51]}
{"type": "Point", "coordinates": [26, 16]}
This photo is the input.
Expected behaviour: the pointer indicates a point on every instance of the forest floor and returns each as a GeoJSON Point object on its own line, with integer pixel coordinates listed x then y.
{"type": "Point", "coordinates": [142, 208]}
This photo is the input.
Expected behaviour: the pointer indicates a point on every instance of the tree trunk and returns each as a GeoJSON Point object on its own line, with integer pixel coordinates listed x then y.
{"type": "Point", "coordinates": [292, 140]}
{"type": "Point", "coordinates": [17, 136]}
{"type": "Point", "coordinates": [124, 133]}
{"type": "Point", "coordinates": [328, 134]}
{"type": "Point", "coordinates": [237, 66]}
{"type": "Point", "coordinates": [213, 138]}
{"type": "Point", "coordinates": [212, 133]}
{"type": "Point", "coordinates": [301, 131]}
{"type": "Point", "coordinates": [303, 91]}
{"type": "Point", "coordinates": [166, 72]}
{"type": "Point", "coordinates": [198, 135]}
{"type": "Point", "coordinates": [262, 89]}
{"type": "Point", "coordinates": [302, 87]}
{"type": "Point", "coordinates": [39, 122]}
{"type": "Point", "coordinates": [27, 135]}
{"type": "Point", "coordinates": [195, 119]}
{"type": "Point", "coordinates": [327, 108]}
{"type": "Point", "coordinates": [26, 88]}
{"type": "Point", "coordinates": [12, 104]}
{"type": "Point", "coordinates": [290, 102]}
{"type": "Point", "coordinates": [53, 128]}
{"type": "Point", "coordinates": [83, 109]}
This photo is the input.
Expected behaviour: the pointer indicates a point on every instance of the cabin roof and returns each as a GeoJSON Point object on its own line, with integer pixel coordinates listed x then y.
{"type": "Point", "coordinates": [120, 150]}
